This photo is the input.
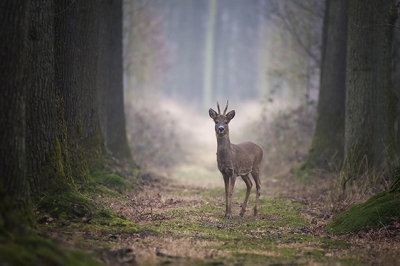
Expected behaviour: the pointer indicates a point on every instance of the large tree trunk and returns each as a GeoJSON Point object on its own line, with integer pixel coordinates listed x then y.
{"type": "Point", "coordinates": [14, 184]}
{"type": "Point", "coordinates": [76, 46]}
{"type": "Point", "coordinates": [110, 82]}
{"type": "Point", "coordinates": [396, 81]}
{"type": "Point", "coordinates": [47, 151]}
{"type": "Point", "coordinates": [370, 99]}
{"type": "Point", "coordinates": [328, 141]}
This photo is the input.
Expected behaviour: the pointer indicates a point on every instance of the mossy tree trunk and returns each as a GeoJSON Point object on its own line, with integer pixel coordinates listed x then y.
{"type": "Point", "coordinates": [370, 99]}
{"type": "Point", "coordinates": [328, 141]}
{"type": "Point", "coordinates": [47, 150]}
{"type": "Point", "coordinates": [77, 52]}
{"type": "Point", "coordinates": [110, 81]}
{"type": "Point", "coordinates": [14, 184]}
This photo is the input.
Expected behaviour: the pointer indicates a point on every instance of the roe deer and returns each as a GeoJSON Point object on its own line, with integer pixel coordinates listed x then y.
{"type": "Point", "coordinates": [234, 160]}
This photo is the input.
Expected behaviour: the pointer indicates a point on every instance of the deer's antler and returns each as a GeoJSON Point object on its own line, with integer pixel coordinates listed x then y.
{"type": "Point", "coordinates": [225, 107]}
{"type": "Point", "coordinates": [219, 111]}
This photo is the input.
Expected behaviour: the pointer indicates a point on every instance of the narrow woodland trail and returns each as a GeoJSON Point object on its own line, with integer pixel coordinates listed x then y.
{"type": "Point", "coordinates": [184, 225]}
{"type": "Point", "coordinates": [181, 221]}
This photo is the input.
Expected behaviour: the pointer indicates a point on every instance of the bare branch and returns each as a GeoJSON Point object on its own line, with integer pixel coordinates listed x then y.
{"type": "Point", "coordinates": [288, 24]}
{"type": "Point", "coordinates": [309, 9]}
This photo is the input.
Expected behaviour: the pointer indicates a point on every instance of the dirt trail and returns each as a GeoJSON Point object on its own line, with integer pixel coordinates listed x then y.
{"type": "Point", "coordinates": [184, 225]}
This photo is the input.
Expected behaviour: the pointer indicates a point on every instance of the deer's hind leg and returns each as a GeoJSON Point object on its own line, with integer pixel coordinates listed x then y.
{"type": "Point", "coordinates": [256, 178]}
{"type": "Point", "coordinates": [249, 185]}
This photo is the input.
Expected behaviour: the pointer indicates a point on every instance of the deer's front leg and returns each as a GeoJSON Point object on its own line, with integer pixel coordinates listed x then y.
{"type": "Point", "coordinates": [232, 180]}
{"type": "Point", "coordinates": [226, 181]}
{"type": "Point", "coordinates": [229, 179]}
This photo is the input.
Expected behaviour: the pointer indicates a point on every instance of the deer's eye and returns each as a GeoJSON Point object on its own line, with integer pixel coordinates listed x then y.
{"type": "Point", "coordinates": [226, 123]}
{"type": "Point", "coordinates": [216, 122]}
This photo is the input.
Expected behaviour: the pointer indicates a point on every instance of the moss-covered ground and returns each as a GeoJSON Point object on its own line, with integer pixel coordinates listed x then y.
{"type": "Point", "coordinates": [185, 225]}
{"type": "Point", "coordinates": [166, 223]}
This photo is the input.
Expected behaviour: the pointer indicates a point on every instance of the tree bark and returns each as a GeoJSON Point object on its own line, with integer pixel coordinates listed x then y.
{"type": "Point", "coordinates": [47, 151]}
{"type": "Point", "coordinates": [77, 51]}
{"type": "Point", "coordinates": [328, 140]}
{"type": "Point", "coordinates": [110, 85]}
{"type": "Point", "coordinates": [370, 99]}
{"type": "Point", "coordinates": [14, 184]}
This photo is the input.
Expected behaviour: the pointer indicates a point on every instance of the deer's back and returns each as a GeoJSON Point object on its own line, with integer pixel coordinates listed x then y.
{"type": "Point", "coordinates": [248, 157]}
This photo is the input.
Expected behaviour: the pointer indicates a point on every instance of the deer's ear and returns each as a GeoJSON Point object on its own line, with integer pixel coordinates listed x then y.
{"type": "Point", "coordinates": [212, 113]}
{"type": "Point", "coordinates": [230, 115]}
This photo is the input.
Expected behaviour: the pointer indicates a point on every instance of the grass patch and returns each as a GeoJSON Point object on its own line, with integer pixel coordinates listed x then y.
{"type": "Point", "coordinates": [268, 237]}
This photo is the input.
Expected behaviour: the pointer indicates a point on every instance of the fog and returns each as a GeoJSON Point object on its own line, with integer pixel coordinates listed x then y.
{"type": "Point", "coordinates": [181, 57]}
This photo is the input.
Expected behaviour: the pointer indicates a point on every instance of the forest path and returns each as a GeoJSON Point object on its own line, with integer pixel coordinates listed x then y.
{"type": "Point", "coordinates": [184, 225]}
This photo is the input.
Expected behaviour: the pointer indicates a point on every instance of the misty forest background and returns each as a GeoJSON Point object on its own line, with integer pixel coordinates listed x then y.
{"type": "Point", "coordinates": [123, 87]}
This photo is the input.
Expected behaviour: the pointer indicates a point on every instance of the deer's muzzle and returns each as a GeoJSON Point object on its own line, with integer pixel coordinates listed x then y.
{"type": "Point", "coordinates": [221, 129]}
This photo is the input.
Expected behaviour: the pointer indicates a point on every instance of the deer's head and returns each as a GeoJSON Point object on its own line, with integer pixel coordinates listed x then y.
{"type": "Point", "coordinates": [221, 120]}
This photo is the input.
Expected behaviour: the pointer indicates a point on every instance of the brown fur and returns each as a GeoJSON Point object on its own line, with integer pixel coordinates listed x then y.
{"type": "Point", "coordinates": [235, 160]}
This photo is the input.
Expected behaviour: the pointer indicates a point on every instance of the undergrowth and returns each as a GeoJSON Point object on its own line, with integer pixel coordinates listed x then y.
{"type": "Point", "coordinates": [285, 138]}
{"type": "Point", "coordinates": [154, 136]}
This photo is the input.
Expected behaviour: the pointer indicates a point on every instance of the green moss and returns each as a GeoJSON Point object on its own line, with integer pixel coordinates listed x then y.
{"type": "Point", "coordinates": [111, 181]}
{"type": "Point", "coordinates": [81, 171]}
{"type": "Point", "coordinates": [93, 147]}
{"type": "Point", "coordinates": [379, 210]}
{"type": "Point", "coordinates": [68, 206]}
{"type": "Point", "coordinates": [52, 179]}
{"type": "Point", "coordinates": [33, 250]}
{"type": "Point", "coordinates": [303, 171]}
{"type": "Point", "coordinates": [16, 215]}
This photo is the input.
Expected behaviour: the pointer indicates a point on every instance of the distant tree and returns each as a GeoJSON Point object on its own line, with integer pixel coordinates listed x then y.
{"type": "Point", "coordinates": [297, 49]}
{"type": "Point", "coordinates": [328, 139]}
{"type": "Point", "coordinates": [110, 85]}
{"type": "Point", "coordinates": [15, 206]}
{"type": "Point", "coordinates": [209, 54]}
{"type": "Point", "coordinates": [370, 99]}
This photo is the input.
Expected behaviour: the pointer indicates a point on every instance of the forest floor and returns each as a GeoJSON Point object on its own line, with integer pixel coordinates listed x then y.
{"type": "Point", "coordinates": [181, 223]}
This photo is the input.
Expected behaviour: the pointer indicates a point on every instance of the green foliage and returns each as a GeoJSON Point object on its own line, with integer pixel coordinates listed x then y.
{"type": "Point", "coordinates": [379, 210]}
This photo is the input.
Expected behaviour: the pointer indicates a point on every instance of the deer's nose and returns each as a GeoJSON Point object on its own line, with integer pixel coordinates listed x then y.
{"type": "Point", "coordinates": [221, 129]}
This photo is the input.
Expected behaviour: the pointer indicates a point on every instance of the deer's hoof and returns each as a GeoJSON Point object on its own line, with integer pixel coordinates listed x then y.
{"type": "Point", "coordinates": [228, 216]}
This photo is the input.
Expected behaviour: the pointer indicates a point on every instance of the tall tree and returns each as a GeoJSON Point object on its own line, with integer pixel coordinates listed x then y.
{"type": "Point", "coordinates": [77, 53]}
{"type": "Point", "coordinates": [47, 150]}
{"type": "Point", "coordinates": [110, 85]}
{"type": "Point", "coordinates": [370, 99]}
{"type": "Point", "coordinates": [328, 139]}
{"type": "Point", "coordinates": [14, 184]}
{"type": "Point", "coordinates": [396, 80]}
{"type": "Point", "coordinates": [209, 54]}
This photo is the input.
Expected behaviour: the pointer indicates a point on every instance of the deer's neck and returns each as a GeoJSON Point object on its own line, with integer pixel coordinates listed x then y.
{"type": "Point", "coordinates": [224, 149]}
